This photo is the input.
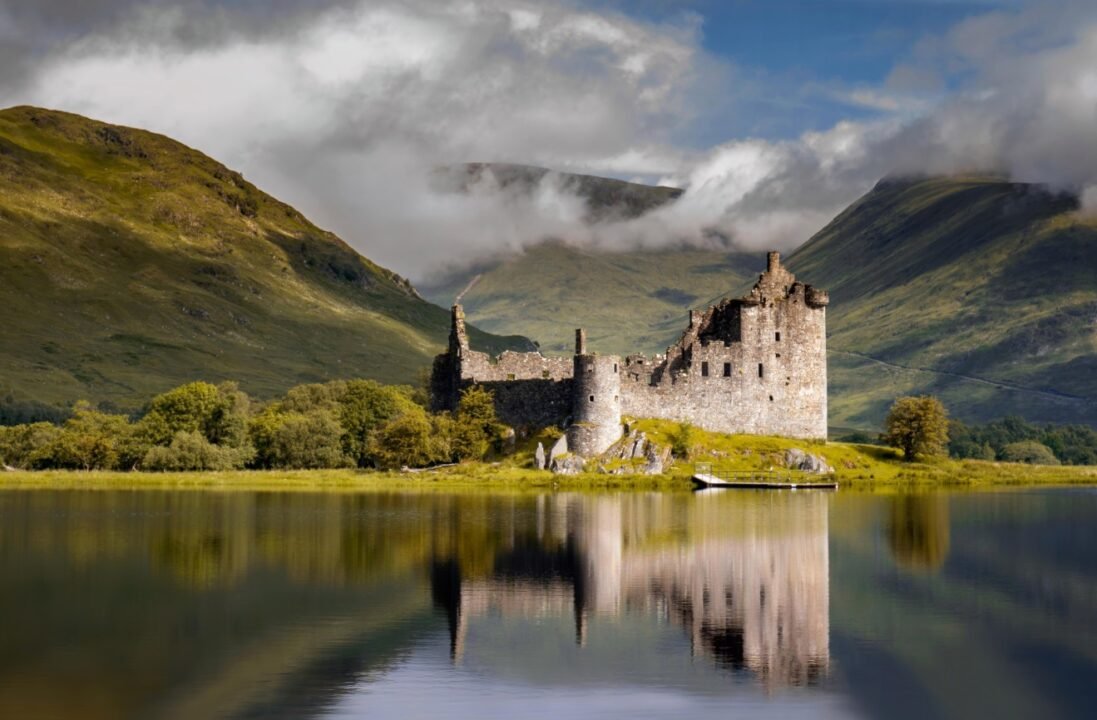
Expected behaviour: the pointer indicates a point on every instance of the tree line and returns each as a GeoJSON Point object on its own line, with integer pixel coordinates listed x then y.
{"type": "Point", "coordinates": [201, 426]}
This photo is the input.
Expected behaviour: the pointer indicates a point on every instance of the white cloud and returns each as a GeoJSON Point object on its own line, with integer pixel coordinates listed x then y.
{"type": "Point", "coordinates": [345, 113]}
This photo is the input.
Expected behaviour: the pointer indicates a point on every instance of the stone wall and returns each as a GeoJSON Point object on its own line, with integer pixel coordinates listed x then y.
{"type": "Point", "coordinates": [529, 388]}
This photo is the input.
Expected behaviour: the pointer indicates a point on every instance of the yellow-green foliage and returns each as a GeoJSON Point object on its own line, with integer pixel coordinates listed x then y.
{"type": "Point", "coordinates": [917, 426]}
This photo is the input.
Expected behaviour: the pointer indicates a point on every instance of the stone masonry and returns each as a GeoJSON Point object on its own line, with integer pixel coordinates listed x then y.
{"type": "Point", "coordinates": [754, 365]}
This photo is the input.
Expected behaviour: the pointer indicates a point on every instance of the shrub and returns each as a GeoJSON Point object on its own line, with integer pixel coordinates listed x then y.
{"type": "Point", "coordinates": [89, 440]}
{"type": "Point", "coordinates": [308, 442]}
{"type": "Point", "coordinates": [191, 451]}
{"type": "Point", "coordinates": [681, 441]}
{"type": "Point", "coordinates": [917, 426]}
{"type": "Point", "coordinates": [1029, 451]}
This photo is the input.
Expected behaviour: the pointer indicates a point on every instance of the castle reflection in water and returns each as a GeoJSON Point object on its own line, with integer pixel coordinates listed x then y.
{"type": "Point", "coordinates": [745, 577]}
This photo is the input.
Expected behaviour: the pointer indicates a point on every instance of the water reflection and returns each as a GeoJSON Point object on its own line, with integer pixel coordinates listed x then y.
{"type": "Point", "coordinates": [918, 531]}
{"type": "Point", "coordinates": [747, 580]}
{"type": "Point", "coordinates": [210, 605]}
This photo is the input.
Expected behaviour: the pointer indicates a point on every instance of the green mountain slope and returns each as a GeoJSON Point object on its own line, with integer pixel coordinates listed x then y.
{"type": "Point", "coordinates": [130, 263]}
{"type": "Point", "coordinates": [979, 290]}
{"type": "Point", "coordinates": [627, 302]}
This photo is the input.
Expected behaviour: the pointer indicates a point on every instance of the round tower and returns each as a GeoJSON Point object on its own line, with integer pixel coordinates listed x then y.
{"type": "Point", "coordinates": [596, 406]}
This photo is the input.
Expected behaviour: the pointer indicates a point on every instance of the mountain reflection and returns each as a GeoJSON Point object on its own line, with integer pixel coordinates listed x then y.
{"type": "Point", "coordinates": [745, 576]}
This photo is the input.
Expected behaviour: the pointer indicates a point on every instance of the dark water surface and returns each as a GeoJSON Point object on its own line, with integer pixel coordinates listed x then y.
{"type": "Point", "coordinates": [753, 604]}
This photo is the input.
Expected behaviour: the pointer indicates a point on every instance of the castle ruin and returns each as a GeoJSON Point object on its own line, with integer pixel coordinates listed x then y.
{"type": "Point", "coordinates": [754, 365]}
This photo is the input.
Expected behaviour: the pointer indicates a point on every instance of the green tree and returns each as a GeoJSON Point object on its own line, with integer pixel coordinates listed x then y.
{"type": "Point", "coordinates": [475, 428]}
{"type": "Point", "coordinates": [310, 441]}
{"type": "Point", "coordinates": [89, 440]}
{"type": "Point", "coordinates": [218, 413]}
{"type": "Point", "coordinates": [407, 440]}
{"type": "Point", "coordinates": [364, 406]}
{"type": "Point", "coordinates": [21, 444]}
{"type": "Point", "coordinates": [917, 426]}
{"type": "Point", "coordinates": [1030, 452]}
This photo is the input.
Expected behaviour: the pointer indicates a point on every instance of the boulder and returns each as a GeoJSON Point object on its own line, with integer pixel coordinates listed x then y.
{"type": "Point", "coordinates": [567, 465]}
{"type": "Point", "coordinates": [539, 457]}
{"type": "Point", "coordinates": [797, 459]}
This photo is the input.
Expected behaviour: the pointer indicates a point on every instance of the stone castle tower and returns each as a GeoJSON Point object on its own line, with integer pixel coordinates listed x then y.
{"type": "Point", "coordinates": [755, 365]}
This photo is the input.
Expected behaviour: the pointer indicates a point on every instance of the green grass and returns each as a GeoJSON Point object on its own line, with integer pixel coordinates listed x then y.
{"type": "Point", "coordinates": [130, 264]}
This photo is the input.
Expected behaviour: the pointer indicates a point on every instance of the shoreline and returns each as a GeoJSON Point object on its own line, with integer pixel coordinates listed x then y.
{"type": "Point", "coordinates": [943, 475]}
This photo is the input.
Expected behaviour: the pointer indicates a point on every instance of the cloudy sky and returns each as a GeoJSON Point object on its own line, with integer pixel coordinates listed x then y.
{"type": "Point", "coordinates": [774, 114]}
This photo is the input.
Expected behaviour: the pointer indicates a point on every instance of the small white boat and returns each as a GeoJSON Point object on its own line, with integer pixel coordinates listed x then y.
{"type": "Point", "coordinates": [760, 481]}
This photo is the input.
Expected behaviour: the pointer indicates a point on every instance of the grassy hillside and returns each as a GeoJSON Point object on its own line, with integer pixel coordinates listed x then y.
{"type": "Point", "coordinates": [978, 290]}
{"type": "Point", "coordinates": [130, 263]}
{"type": "Point", "coordinates": [626, 301]}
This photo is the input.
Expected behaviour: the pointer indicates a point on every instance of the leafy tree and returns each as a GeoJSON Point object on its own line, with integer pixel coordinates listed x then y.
{"type": "Point", "coordinates": [1030, 452]}
{"type": "Point", "coordinates": [917, 426]}
{"type": "Point", "coordinates": [310, 441]}
{"type": "Point", "coordinates": [21, 444]}
{"type": "Point", "coordinates": [315, 396]}
{"type": "Point", "coordinates": [191, 451]}
{"type": "Point", "coordinates": [218, 413]}
{"type": "Point", "coordinates": [475, 429]}
{"type": "Point", "coordinates": [89, 440]}
{"type": "Point", "coordinates": [364, 406]}
{"type": "Point", "coordinates": [407, 440]}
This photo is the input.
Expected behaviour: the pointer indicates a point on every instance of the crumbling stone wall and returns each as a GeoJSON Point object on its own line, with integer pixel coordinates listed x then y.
{"type": "Point", "coordinates": [755, 364]}
{"type": "Point", "coordinates": [752, 365]}
{"type": "Point", "coordinates": [529, 388]}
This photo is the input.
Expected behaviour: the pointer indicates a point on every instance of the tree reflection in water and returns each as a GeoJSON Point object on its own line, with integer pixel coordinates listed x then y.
{"type": "Point", "coordinates": [918, 531]}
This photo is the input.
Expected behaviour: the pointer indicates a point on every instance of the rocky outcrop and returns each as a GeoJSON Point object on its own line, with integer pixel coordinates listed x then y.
{"type": "Point", "coordinates": [797, 459]}
{"type": "Point", "coordinates": [568, 465]}
{"type": "Point", "coordinates": [635, 454]}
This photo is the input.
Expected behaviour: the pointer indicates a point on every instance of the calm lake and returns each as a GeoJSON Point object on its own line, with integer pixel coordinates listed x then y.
{"type": "Point", "coordinates": [718, 604]}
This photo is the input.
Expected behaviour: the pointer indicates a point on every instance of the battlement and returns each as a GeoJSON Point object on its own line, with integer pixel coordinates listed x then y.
{"type": "Point", "coordinates": [754, 364]}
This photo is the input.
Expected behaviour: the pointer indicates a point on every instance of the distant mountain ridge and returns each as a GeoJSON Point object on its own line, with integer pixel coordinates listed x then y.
{"type": "Point", "coordinates": [606, 198]}
{"type": "Point", "coordinates": [130, 263]}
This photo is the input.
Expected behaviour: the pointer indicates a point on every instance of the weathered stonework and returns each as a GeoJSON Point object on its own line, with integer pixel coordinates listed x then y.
{"type": "Point", "coordinates": [755, 365]}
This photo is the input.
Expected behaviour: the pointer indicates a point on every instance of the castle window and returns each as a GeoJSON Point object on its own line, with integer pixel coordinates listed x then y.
{"type": "Point", "coordinates": [778, 354]}
{"type": "Point", "coordinates": [704, 369]}
{"type": "Point", "coordinates": [590, 367]}
{"type": "Point", "coordinates": [546, 374]}
{"type": "Point", "coordinates": [510, 376]}
{"type": "Point", "coordinates": [778, 337]}
{"type": "Point", "coordinates": [771, 398]}
{"type": "Point", "coordinates": [616, 398]}
{"type": "Point", "coordinates": [761, 370]}
{"type": "Point", "coordinates": [727, 369]}
{"type": "Point", "coordinates": [592, 398]}
{"type": "Point", "coordinates": [614, 367]}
